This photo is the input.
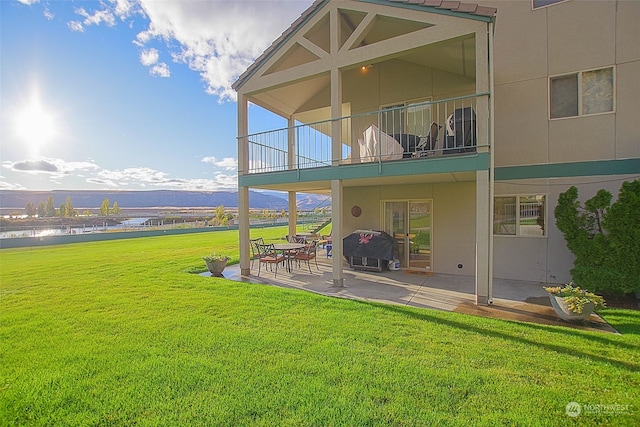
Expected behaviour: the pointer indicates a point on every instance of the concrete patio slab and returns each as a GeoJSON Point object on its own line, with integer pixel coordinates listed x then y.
{"type": "Point", "coordinates": [513, 300]}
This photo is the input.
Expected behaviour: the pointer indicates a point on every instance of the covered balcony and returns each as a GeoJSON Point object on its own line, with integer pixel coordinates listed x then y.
{"type": "Point", "coordinates": [415, 131]}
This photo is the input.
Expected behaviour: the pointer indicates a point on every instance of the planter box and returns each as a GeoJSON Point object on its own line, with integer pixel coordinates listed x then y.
{"type": "Point", "coordinates": [216, 267]}
{"type": "Point", "coordinates": [563, 312]}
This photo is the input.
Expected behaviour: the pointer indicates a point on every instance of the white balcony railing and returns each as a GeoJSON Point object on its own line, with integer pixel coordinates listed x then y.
{"type": "Point", "coordinates": [405, 131]}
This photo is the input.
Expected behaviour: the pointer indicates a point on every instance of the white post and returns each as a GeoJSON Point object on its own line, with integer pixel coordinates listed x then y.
{"type": "Point", "coordinates": [243, 192]}
{"type": "Point", "coordinates": [336, 232]}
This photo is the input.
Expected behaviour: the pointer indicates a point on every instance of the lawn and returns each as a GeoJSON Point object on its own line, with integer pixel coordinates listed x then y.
{"type": "Point", "coordinates": [123, 333]}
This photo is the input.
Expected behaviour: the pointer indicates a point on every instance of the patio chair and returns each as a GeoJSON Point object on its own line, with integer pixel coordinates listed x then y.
{"type": "Point", "coordinates": [255, 252]}
{"type": "Point", "coordinates": [429, 142]}
{"type": "Point", "coordinates": [268, 255]}
{"type": "Point", "coordinates": [308, 254]}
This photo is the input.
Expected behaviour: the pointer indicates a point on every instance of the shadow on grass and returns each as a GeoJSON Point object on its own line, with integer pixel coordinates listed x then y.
{"type": "Point", "coordinates": [569, 351]}
{"type": "Point", "coordinates": [626, 321]}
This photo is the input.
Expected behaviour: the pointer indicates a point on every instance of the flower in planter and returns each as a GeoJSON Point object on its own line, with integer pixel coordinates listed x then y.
{"type": "Point", "coordinates": [575, 297]}
{"type": "Point", "coordinates": [214, 257]}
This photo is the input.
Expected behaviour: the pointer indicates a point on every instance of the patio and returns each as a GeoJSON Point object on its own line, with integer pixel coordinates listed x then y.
{"type": "Point", "coordinates": [513, 300]}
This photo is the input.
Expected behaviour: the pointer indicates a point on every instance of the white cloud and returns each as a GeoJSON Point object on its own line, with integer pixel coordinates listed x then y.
{"type": "Point", "coordinates": [217, 39]}
{"type": "Point", "coordinates": [149, 57]}
{"type": "Point", "coordinates": [75, 26]}
{"type": "Point", "coordinates": [28, 2]}
{"type": "Point", "coordinates": [160, 70]}
{"type": "Point", "coordinates": [97, 17]}
{"type": "Point", "coordinates": [139, 175]}
{"type": "Point", "coordinates": [10, 186]}
{"type": "Point", "coordinates": [124, 8]}
{"type": "Point", "coordinates": [56, 167]}
{"type": "Point", "coordinates": [228, 163]}
{"type": "Point", "coordinates": [65, 173]}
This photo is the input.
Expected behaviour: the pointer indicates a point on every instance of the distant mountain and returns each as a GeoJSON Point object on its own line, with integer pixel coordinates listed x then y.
{"type": "Point", "coordinates": [85, 199]}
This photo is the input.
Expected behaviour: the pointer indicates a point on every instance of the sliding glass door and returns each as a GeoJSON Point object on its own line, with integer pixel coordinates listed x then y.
{"type": "Point", "coordinates": [409, 222]}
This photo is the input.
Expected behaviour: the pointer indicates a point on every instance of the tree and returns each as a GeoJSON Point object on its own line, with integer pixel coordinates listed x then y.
{"type": "Point", "coordinates": [68, 208]}
{"type": "Point", "coordinates": [50, 210]}
{"type": "Point", "coordinates": [30, 209]}
{"type": "Point", "coordinates": [104, 207]}
{"type": "Point", "coordinates": [220, 213]}
{"type": "Point", "coordinates": [41, 210]}
{"type": "Point", "coordinates": [62, 211]}
{"type": "Point", "coordinates": [115, 209]}
{"type": "Point", "coordinates": [604, 237]}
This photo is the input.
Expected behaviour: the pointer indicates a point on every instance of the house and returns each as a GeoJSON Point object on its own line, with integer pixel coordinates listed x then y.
{"type": "Point", "coordinates": [451, 126]}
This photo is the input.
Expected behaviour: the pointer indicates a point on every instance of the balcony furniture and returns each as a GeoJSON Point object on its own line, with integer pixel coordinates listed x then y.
{"type": "Point", "coordinates": [255, 251]}
{"type": "Point", "coordinates": [287, 251]}
{"type": "Point", "coordinates": [306, 237]}
{"type": "Point", "coordinates": [307, 254]}
{"type": "Point", "coordinates": [408, 142]}
{"type": "Point", "coordinates": [429, 142]}
{"type": "Point", "coordinates": [461, 131]}
{"type": "Point", "coordinates": [369, 249]}
{"type": "Point", "coordinates": [270, 256]}
{"type": "Point", "coordinates": [377, 145]}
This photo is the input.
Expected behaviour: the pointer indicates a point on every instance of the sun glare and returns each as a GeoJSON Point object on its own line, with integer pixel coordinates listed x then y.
{"type": "Point", "coordinates": [35, 125]}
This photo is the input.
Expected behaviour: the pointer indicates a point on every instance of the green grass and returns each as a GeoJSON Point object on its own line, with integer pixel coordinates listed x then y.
{"type": "Point", "coordinates": [120, 333]}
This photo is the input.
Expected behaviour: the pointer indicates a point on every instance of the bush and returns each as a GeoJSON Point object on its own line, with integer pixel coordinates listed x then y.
{"type": "Point", "coordinates": [604, 237]}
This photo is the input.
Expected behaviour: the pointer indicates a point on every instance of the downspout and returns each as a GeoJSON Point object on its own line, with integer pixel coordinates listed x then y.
{"type": "Point", "coordinates": [491, 159]}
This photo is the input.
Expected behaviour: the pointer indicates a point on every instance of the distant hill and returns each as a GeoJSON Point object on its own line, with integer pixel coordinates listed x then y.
{"type": "Point", "coordinates": [85, 199]}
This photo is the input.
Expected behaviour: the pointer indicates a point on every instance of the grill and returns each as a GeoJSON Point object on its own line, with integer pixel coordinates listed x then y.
{"type": "Point", "coordinates": [368, 249]}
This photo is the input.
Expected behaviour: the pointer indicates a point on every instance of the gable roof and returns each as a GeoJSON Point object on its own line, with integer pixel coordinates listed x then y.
{"type": "Point", "coordinates": [438, 6]}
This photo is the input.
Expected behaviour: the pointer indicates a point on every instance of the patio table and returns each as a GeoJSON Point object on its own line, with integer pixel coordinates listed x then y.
{"type": "Point", "coordinates": [286, 249]}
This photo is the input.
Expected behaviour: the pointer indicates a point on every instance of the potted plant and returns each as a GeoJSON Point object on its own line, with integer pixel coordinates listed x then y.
{"type": "Point", "coordinates": [216, 263]}
{"type": "Point", "coordinates": [573, 303]}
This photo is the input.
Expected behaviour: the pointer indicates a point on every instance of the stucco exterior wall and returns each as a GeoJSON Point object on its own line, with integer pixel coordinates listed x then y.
{"type": "Point", "coordinates": [544, 259]}
{"type": "Point", "coordinates": [396, 81]}
{"type": "Point", "coordinates": [453, 218]}
{"type": "Point", "coordinates": [532, 45]}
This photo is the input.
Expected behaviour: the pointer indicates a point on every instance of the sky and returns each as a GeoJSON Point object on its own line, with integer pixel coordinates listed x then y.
{"type": "Point", "coordinates": [128, 94]}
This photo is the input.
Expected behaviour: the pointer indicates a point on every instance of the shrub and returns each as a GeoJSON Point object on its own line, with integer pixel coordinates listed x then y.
{"type": "Point", "coordinates": [604, 237]}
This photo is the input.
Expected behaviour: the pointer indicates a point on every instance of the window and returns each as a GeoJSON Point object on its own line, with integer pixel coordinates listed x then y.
{"type": "Point", "coordinates": [583, 93]}
{"type": "Point", "coordinates": [542, 3]}
{"type": "Point", "coordinates": [408, 118]}
{"type": "Point", "coordinates": [519, 216]}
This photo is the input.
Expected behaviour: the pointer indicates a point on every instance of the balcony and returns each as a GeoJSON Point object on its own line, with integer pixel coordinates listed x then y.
{"type": "Point", "coordinates": [423, 130]}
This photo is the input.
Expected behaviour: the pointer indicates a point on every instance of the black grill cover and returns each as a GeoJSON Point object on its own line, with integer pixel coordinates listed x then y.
{"type": "Point", "coordinates": [369, 243]}
{"type": "Point", "coordinates": [409, 143]}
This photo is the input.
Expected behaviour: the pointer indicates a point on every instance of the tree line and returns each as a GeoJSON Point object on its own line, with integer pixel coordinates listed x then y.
{"type": "Point", "coordinates": [47, 209]}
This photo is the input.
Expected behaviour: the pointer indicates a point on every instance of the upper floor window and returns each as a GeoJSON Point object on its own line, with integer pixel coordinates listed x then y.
{"type": "Point", "coordinates": [519, 215]}
{"type": "Point", "coordinates": [542, 3]}
{"type": "Point", "coordinates": [582, 93]}
{"type": "Point", "coordinates": [413, 117]}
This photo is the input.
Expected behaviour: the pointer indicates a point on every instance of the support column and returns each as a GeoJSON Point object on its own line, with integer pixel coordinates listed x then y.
{"type": "Point", "coordinates": [293, 213]}
{"type": "Point", "coordinates": [336, 232]}
{"type": "Point", "coordinates": [291, 160]}
{"type": "Point", "coordinates": [336, 154]}
{"type": "Point", "coordinates": [243, 192]}
{"type": "Point", "coordinates": [483, 230]}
